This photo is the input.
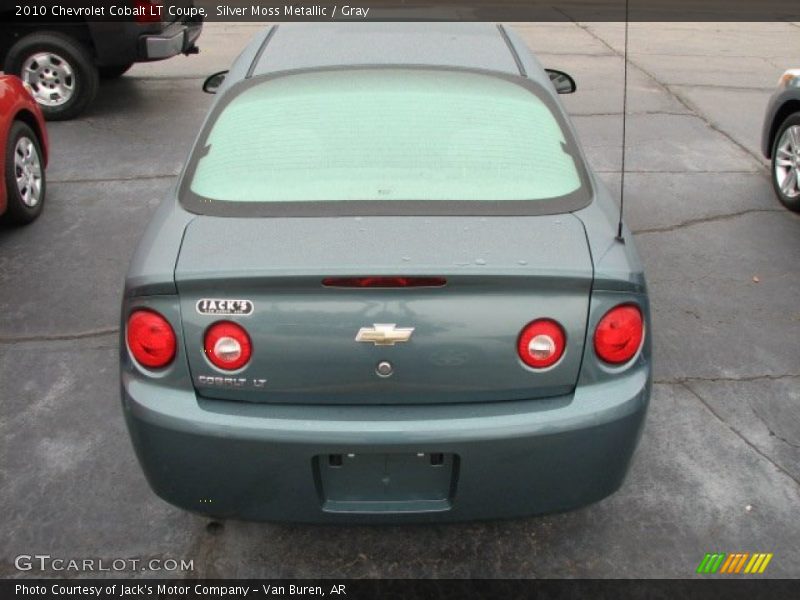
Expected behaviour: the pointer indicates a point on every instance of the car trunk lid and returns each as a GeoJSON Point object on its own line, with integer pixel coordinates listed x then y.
{"type": "Point", "coordinates": [500, 274]}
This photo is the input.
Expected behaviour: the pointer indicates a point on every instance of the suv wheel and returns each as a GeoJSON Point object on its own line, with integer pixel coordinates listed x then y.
{"type": "Point", "coordinates": [60, 71]}
{"type": "Point", "coordinates": [24, 175]}
{"type": "Point", "coordinates": [786, 163]}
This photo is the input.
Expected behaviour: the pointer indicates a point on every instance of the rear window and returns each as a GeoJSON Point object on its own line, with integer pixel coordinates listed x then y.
{"type": "Point", "coordinates": [383, 141]}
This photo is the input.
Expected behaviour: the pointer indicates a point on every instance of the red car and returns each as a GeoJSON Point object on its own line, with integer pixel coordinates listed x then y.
{"type": "Point", "coordinates": [23, 153]}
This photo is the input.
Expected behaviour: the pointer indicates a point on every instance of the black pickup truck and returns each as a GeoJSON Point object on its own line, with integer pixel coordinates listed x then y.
{"type": "Point", "coordinates": [61, 54]}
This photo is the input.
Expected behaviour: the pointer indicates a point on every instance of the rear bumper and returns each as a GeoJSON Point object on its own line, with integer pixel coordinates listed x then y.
{"type": "Point", "coordinates": [178, 38]}
{"type": "Point", "coordinates": [259, 462]}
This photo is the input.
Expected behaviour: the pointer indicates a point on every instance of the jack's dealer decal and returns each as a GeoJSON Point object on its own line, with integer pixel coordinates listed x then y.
{"type": "Point", "coordinates": [216, 306]}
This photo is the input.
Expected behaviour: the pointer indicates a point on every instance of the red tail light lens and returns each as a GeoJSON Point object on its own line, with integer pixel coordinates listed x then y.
{"type": "Point", "coordinates": [228, 346]}
{"type": "Point", "coordinates": [619, 334]}
{"type": "Point", "coordinates": [148, 11]}
{"type": "Point", "coordinates": [150, 339]}
{"type": "Point", "coordinates": [541, 343]}
{"type": "Point", "coordinates": [383, 282]}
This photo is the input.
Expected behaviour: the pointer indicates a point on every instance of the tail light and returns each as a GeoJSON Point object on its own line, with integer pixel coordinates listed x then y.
{"type": "Point", "coordinates": [619, 334]}
{"type": "Point", "coordinates": [383, 282]}
{"type": "Point", "coordinates": [541, 343]}
{"type": "Point", "coordinates": [148, 11]}
{"type": "Point", "coordinates": [228, 346]}
{"type": "Point", "coordinates": [150, 338]}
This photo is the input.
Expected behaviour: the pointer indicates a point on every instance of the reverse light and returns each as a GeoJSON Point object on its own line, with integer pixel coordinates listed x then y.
{"type": "Point", "coordinates": [541, 343]}
{"type": "Point", "coordinates": [619, 334]}
{"type": "Point", "coordinates": [383, 282]}
{"type": "Point", "coordinates": [150, 338]}
{"type": "Point", "coordinates": [227, 345]}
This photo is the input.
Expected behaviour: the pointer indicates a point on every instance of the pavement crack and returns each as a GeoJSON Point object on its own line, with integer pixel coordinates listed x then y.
{"type": "Point", "coordinates": [699, 221]}
{"type": "Point", "coordinates": [710, 124]}
{"type": "Point", "coordinates": [80, 335]}
{"type": "Point", "coordinates": [768, 427]}
{"type": "Point", "coordinates": [721, 86]}
{"type": "Point", "coordinates": [678, 97]}
{"type": "Point", "coordinates": [738, 433]}
{"type": "Point", "coordinates": [640, 113]}
{"type": "Point", "coordinates": [745, 378]}
{"type": "Point", "coordinates": [113, 179]}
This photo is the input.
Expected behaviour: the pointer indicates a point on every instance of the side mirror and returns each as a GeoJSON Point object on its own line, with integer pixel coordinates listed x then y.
{"type": "Point", "coordinates": [213, 82]}
{"type": "Point", "coordinates": [563, 82]}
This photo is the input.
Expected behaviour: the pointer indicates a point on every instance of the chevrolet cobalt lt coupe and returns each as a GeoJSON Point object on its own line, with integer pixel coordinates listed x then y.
{"type": "Point", "coordinates": [387, 288]}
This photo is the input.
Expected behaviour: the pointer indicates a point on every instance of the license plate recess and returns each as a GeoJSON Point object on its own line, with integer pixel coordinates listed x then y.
{"type": "Point", "coordinates": [375, 483]}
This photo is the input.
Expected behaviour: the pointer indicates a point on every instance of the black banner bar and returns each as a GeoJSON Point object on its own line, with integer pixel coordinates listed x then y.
{"type": "Point", "coordinates": [732, 588]}
{"type": "Point", "coordinates": [38, 11]}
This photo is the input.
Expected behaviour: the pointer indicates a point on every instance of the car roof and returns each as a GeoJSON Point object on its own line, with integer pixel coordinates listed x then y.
{"type": "Point", "coordinates": [485, 46]}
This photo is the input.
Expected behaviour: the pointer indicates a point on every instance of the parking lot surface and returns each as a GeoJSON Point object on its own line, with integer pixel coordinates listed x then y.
{"type": "Point", "coordinates": [718, 466]}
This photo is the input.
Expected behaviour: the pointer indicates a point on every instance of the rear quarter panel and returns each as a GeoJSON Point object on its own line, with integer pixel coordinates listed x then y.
{"type": "Point", "coordinates": [616, 265]}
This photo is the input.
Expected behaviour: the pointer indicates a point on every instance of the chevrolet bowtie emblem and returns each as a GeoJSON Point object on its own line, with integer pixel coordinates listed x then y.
{"type": "Point", "coordinates": [384, 334]}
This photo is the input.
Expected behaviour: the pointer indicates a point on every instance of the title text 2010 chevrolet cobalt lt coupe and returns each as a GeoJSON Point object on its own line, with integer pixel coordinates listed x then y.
{"type": "Point", "coordinates": [388, 288]}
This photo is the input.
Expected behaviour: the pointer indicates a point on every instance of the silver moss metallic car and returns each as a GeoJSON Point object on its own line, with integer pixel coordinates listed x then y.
{"type": "Point", "coordinates": [387, 288]}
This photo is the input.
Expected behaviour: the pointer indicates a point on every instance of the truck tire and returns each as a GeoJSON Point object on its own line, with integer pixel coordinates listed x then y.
{"type": "Point", "coordinates": [113, 71]}
{"type": "Point", "coordinates": [59, 69]}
